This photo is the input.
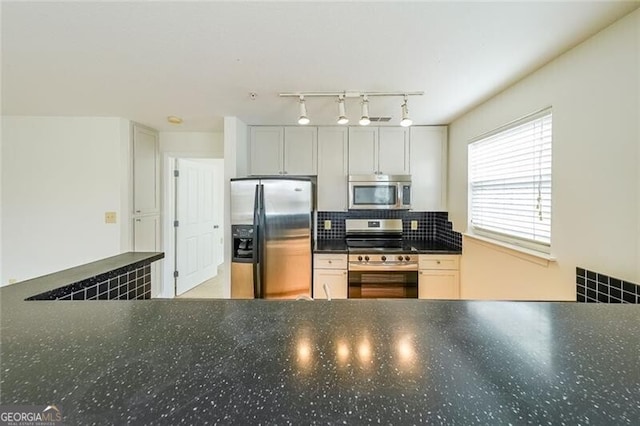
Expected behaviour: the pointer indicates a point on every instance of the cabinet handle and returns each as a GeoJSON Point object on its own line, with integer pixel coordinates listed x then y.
{"type": "Point", "coordinates": [330, 261]}
{"type": "Point", "coordinates": [137, 211]}
{"type": "Point", "coordinates": [285, 172]}
{"type": "Point", "coordinates": [344, 273]}
{"type": "Point", "coordinates": [421, 273]}
{"type": "Point", "coordinates": [138, 220]}
{"type": "Point", "coordinates": [438, 262]}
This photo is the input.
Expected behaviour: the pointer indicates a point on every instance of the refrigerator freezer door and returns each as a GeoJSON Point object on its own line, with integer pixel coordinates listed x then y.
{"type": "Point", "coordinates": [242, 199]}
{"type": "Point", "coordinates": [287, 239]}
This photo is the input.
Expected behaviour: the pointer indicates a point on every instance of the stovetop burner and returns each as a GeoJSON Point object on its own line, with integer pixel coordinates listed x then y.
{"type": "Point", "coordinates": [394, 250]}
{"type": "Point", "coordinates": [374, 243]}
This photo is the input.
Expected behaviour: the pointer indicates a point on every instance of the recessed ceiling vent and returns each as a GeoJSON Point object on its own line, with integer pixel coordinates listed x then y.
{"type": "Point", "coordinates": [379, 119]}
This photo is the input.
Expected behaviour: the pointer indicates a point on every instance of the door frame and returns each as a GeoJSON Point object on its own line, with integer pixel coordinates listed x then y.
{"type": "Point", "coordinates": [169, 161]}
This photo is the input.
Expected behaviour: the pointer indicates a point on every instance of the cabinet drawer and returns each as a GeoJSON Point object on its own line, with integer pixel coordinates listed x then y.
{"type": "Point", "coordinates": [330, 261]}
{"type": "Point", "coordinates": [428, 261]}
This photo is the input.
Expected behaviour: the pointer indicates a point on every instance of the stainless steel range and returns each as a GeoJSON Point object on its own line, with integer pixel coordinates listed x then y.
{"type": "Point", "coordinates": [378, 266]}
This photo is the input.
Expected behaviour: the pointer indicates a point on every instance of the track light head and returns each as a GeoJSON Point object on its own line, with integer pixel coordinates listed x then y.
{"type": "Point", "coordinates": [342, 116]}
{"type": "Point", "coordinates": [406, 121]}
{"type": "Point", "coordinates": [303, 119]}
{"type": "Point", "coordinates": [364, 120]}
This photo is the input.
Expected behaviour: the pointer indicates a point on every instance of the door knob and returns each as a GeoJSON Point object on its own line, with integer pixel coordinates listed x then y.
{"type": "Point", "coordinates": [215, 227]}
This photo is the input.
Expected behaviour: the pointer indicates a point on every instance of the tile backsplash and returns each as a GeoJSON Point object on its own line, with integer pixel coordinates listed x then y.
{"type": "Point", "coordinates": [592, 287]}
{"type": "Point", "coordinates": [127, 283]}
{"type": "Point", "coordinates": [431, 225]}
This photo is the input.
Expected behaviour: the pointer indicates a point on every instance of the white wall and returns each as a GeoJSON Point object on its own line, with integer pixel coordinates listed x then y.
{"type": "Point", "coordinates": [594, 90]}
{"type": "Point", "coordinates": [59, 177]}
{"type": "Point", "coordinates": [209, 143]}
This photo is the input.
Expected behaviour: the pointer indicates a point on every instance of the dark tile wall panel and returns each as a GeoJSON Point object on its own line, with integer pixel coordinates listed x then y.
{"type": "Point", "coordinates": [128, 283]}
{"type": "Point", "coordinates": [433, 226]}
{"type": "Point", "coordinates": [445, 233]}
{"type": "Point", "coordinates": [592, 287]}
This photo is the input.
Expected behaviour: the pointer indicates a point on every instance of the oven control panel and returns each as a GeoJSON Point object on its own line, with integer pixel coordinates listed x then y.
{"type": "Point", "coordinates": [383, 257]}
{"type": "Point", "coordinates": [383, 260]}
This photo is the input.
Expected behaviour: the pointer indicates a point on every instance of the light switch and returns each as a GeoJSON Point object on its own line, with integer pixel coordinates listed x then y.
{"type": "Point", "coordinates": [327, 224]}
{"type": "Point", "coordinates": [110, 217]}
{"type": "Point", "coordinates": [414, 225]}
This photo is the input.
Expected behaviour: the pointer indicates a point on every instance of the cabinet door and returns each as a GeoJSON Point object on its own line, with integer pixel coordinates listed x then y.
{"type": "Point", "coordinates": [332, 169]}
{"type": "Point", "coordinates": [146, 233]}
{"type": "Point", "coordinates": [363, 155]}
{"type": "Point", "coordinates": [392, 151]}
{"type": "Point", "coordinates": [146, 237]}
{"type": "Point", "coordinates": [266, 156]}
{"type": "Point", "coordinates": [336, 281]}
{"type": "Point", "coordinates": [146, 171]}
{"type": "Point", "coordinates": [300, 151]}
{"type": "Point", "coordinates": [433, 284]}
{"type": "Point", "coordinates": [428, 167]}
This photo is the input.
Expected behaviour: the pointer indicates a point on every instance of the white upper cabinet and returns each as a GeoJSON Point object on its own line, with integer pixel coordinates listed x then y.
{"type": "Point", "coordinates": [146, 171]}
{"type": "Point", "coordinates": [300, 150]}
{"type": "Point", "coordinates": [392, 151]}
{"type": "Point", "coordinates": [374, 150]}
{"type": "Point", "coordinates": [363, 150]}
{"type": "Point", "coordinates": [428, 168]}
{"type": "Point", "coordinates": [265, 150]}
{"type": "Point", "coordinates": [276, 150]}
{"type": "Point", "coordinates": [332, 168]}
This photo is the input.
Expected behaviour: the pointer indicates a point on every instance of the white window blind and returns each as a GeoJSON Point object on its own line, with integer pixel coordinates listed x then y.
{"type": "Point", "coordinates": [510, 182]}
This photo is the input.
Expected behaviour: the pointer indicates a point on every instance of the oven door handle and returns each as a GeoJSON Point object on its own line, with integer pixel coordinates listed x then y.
{"type": "Point", "coordinates": [357, 266]}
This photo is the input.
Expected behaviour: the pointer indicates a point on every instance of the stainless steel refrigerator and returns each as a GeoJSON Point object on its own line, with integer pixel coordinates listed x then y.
{"type": "Point", "coordinates": [271, 225]}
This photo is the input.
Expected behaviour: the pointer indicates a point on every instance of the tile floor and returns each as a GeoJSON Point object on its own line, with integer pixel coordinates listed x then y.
{"type": "Point", "coordinates": [210, 289]}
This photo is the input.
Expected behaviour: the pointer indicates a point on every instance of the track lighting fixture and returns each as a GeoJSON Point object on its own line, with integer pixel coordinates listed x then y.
{"type": "Point", "coordinates": [406, 121]}
{"type": "Point", "coordinates": [364, 120]}
{"type": "Point", "coordinates": [303, 119]}
{"type": "Point", "coordinates": [342, 117]}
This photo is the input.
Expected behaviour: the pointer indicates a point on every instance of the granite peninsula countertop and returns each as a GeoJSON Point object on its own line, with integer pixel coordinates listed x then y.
{"type": "Point", "coordinates": [312, 362]}
{"type": "Point", "coordinates": [410, 246]}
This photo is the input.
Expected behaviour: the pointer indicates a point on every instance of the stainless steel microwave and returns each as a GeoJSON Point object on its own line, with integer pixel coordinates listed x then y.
{"type": "Point", "coordinates": [390, 192]}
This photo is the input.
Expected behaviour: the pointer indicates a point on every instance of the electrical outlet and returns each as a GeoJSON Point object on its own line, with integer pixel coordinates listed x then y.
{"type": "Point", "coordinates": [110, 217]}
{"type": "Point", "coordinates": [414, 225]}
{"type": "Point", "coordinates": [327, 224]}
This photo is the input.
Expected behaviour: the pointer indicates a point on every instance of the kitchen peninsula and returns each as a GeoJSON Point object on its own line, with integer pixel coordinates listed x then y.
{"type": "Point", "coordinates": [305, 362]}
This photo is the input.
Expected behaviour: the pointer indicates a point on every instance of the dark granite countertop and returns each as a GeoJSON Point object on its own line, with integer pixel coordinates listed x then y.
{"type": "Point", "coordinates": [344, 361]}
{"type": "Point", "coordinates": [409, 246]}
{"type": "Point", "coordinates": [330, 246]}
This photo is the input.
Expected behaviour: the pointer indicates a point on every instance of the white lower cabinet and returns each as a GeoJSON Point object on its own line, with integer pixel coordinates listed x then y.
{"type": "Point", "coordinates": [330, 269]}
{"type": "Point", "coordinates": [438, 276]}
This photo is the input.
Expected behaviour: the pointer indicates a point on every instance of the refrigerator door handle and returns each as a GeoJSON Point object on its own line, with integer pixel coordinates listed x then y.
{"type": "Point", "coordinates": [262, 241]}
{"type": "Point", "coordinates": [256, 245]}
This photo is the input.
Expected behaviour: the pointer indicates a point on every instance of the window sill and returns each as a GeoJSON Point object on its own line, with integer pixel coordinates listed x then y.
{"type": "Point", "coordinates": [523, 253]}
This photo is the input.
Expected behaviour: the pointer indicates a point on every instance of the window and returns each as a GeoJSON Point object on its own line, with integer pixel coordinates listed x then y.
{"type": "Point", "coordinates": [510, 183]}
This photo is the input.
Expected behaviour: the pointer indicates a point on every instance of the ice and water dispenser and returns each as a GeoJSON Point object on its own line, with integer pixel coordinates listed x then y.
{"type": "Point", "coordinates": [242, 236]}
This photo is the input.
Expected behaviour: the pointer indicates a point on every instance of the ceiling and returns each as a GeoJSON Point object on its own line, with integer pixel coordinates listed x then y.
{"type": "Point", "coordinates": [200, 60]}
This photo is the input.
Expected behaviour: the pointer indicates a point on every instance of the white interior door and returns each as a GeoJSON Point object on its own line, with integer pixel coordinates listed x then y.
{"type": "Point", "coordinates": [196, 244]}
{"type": "Point", "coordinates": [218, 202]}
